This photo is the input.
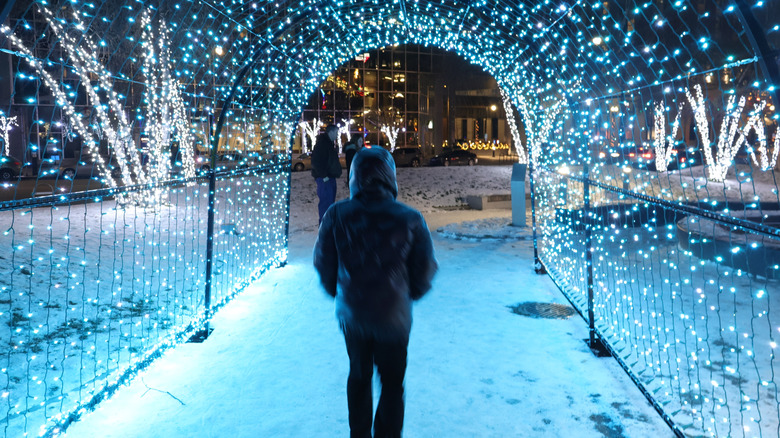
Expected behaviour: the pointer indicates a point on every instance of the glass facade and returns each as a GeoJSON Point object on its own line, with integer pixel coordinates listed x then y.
{"type": "Point", "coordinates": [423, 91]}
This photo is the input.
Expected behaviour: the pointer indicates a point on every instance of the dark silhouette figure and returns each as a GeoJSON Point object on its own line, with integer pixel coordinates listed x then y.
{"type": "Point", "coordinates": [326, 168]}
{"type": "Point", "coordinates": [350, 149]}
{"type": "Point", "coordinates": [375, 256]}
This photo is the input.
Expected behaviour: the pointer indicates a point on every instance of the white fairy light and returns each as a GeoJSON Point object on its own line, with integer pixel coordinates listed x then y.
{"type": "Point", "coordinates": [391, 132]}
{"type": "Point", "coordinates": [343, 130]}
{"type": "Point", "coordinates": [729, 139]}
{"type": "Point", "coordinates": [522, 155]}
{"type": "Point", "coordinates": [756, 124]}
{"type": "Point", "coordinates": [310, 130]}
{"type": "Point", "coordinates": [538, 129]}
{"type": "Point", "coordinates": [698, 104]}
{"type": "Point", "coordinates": [6, 124]}
{"type": "Point", "coordinates": [165, 114]}
{"type": "Point", "coordinates": [664, 145]}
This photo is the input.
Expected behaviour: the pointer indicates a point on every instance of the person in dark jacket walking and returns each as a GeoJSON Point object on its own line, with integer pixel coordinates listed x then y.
{"type": "Point", "coordinates": [351, 148]}
{"type": "Point", "coordinates": [374, 255]}
{"type": "Point", "coordinates": [326, 168]}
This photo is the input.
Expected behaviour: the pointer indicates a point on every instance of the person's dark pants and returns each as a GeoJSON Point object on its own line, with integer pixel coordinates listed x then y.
{"type": "Point", "coordinates": [390, 360]}
{"type": "Point", "coordinates": [326, 191]}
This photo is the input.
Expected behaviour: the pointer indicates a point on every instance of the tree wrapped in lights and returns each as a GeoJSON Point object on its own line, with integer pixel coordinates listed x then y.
{"type": "Point", "coordinates": [310, 130]}
{"type": "Point", "coordinates": [522, 155]}
{"type": "Point", "coordinates": [165, 108]}
{"type": "Point", "coordinates": [165, 113]}
{"type": "Point", "coordinates": [699, 107]}
{"type": "Point", "coordinates": [664, 145]}
{"type": "Point", "coordinates": [539, 128]}
{"type": "Point", "coordinates": [343, 131]}
{"type": "Point", "coordinates": [391, 132]}
{"type": "Point", "coordinates": [6, 124]}
{"type": "Point", "coordinates": [730, 138]}
{"type": "Point", "coordinates": [755, 123]}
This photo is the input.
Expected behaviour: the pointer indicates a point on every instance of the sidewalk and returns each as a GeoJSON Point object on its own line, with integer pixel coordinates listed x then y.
{"type": "Point", "coordinates": [275, 365]}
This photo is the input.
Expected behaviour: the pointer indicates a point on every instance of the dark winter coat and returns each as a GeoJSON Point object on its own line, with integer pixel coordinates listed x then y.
{"type": "Point", "coordinates": [325, 158]}
{"type": "Point", "coordinates": [350, 149]}
{"type": "Point", "coordinates": [374, 254]}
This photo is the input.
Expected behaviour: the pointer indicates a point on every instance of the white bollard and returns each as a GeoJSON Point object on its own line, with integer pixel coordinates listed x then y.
{"type": "Point", "coordinates": [518, 194]}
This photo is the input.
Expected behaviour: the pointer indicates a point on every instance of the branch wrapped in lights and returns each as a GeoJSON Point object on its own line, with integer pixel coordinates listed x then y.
{"type": "Point", "coordinates": [343, 131]}
{"type": "Point", "coordinates": [164, 107]}
{"type": "Point", "coordinates": [165, 117]}
{"type": "Point", "coordinates": [664, 145]}
{"type": "Point", "coordinates": [755, 124]}
{"type": "Point", "coordinates": [522, 154]}
{"type": "Point", "coordinates": [6, 124]}
{"type": "Point", "coordinates": [310, 129]}
{"type": "Point", "coordinates": [391, 132]}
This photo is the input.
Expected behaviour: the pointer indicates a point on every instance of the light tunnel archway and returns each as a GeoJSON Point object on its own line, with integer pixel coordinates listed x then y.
{"type": "Point", "coordinates": [617, 99]}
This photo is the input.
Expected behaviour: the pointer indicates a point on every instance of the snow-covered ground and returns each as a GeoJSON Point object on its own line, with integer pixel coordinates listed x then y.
{"type": "Point", "coordinates": [275, 366]}
{"type": "Point", "coordinates": [696, 332]}
{"type": "Point", "coordinates": [699, 333]}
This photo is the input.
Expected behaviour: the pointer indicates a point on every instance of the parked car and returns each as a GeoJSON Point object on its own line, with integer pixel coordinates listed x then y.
{"type": "Point", "coordinates": [454, 157]}
{"type": "Point", "coordinates": [225, 161]}
{"type": "Point", "coordinates": [54, 165]}
{"type": "Point", "coordinates": [644, 158]}
{"type": "Point", "coordinates": [407, 157]}
{"type": "Point", "coordinates": [301, 162]}
{"type": "Point", "coordinates": [10, 167]}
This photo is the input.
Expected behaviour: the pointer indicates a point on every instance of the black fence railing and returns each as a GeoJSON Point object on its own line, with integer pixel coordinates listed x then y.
{"type": "Point", "coordinates": [92, 290]}
{"type": "Point", "coordinates": [681, 294]}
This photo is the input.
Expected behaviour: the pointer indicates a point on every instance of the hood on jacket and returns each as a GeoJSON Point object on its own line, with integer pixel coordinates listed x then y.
{"type": "Point", "coordinates": [373, 171]}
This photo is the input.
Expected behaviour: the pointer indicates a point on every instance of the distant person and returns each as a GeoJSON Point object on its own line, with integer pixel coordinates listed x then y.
{"type": "Point", "coordinates": [375, 256]}
{"type": "Point", "coordinates": [350, 149]}
{"type": "Point", "coordinates": [326, 168]}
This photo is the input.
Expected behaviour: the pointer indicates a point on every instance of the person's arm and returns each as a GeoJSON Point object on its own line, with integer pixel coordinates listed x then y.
{"type": "Point", "coordinates": [422, 264]}
{"type": "Point", "coordinates": [325, 255]}
{"type": "Point", "coordinates": [319, 160]}
{"type": "Point", "coordinates": [334, 165]}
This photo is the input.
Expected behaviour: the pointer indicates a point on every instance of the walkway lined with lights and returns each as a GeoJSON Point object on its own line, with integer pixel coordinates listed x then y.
{"type": "Point", "coordinates": [275, 366]}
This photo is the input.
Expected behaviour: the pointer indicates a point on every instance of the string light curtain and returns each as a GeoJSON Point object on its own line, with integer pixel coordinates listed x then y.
{"type": "Point", "coordinates": [651, 129]}
{"type": "Point", "coordinates": [114, 107]}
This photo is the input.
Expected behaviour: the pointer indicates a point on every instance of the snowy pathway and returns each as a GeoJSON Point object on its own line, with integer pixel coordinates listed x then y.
{"type": "Point", "coordinates": [276, 366]}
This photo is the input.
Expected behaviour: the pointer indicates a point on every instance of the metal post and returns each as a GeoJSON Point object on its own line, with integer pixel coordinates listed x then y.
{"type": "Point", "coordinates": [588, 255]}
{"type": "Point", "coordinates": [518, 195]}
{"type": "Point", "coordinates": [538, 266]}
{"type": "Point", "coordinates": [594, 341]}
{"type": "Point", "coordinates": [203, 334]}
{"type": "Point", "coordinates": [209, 252]}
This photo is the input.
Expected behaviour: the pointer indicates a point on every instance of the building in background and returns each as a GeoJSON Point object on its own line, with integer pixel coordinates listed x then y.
{"type": "Point", "coordinates": [433, 97]}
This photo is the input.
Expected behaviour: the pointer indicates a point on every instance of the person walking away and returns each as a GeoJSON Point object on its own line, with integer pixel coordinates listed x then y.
{"type": "Point", "coordinates": [375, 256]}
{"type": "Point", "coordinates": [325, 168]}
{"type": "Point", "coordinates": [350, 149]}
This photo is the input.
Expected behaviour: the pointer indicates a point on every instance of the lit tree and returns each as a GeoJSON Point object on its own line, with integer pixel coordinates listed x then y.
{"type": "Point", "coordinates": [702, 122]}
{"type": "Point", "coordinates": [664, 145]}
{"type": "Point", "coordinates": [343, 130]}
{"type": "Point", "coordinates": [510, 118]}
{"type": "Point", "coordinates": [6, 123]}
{"type": "Point", "coordinates": [755, 123]}
{"type": "Point", "coordinates": [164, 109]}
{"type": "Point", "coordinates": [539, 128]}
{"type": "Point", "coordinates": [310, 129]}
{"type": "Point", "coordinates": [165, 117]}
{"type": "Point", "coordinates": [729, 140]}
{"type": "Point", "coordinates": [391, 132]}
{"type": "Point", "coordinates": [387, 122]}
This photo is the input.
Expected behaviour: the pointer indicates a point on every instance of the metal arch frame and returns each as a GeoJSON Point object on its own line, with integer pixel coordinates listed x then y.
{"type": "Point", "coordinates": [757, 37]}
{"type": "Point", "coordinates": [6, 10]}
{"type": "Point", "coordinates": [203, 334]}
